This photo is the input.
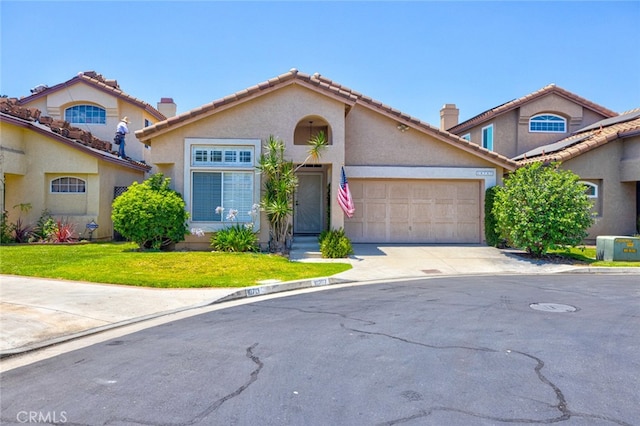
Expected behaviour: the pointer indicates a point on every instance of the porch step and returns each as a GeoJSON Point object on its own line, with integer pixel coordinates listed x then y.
{"type": "Point", "coordinates": [305, 247]}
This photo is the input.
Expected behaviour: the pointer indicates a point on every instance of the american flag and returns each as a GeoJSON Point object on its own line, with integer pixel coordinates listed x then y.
{"type": "Point", "coordinates": [344, 196]}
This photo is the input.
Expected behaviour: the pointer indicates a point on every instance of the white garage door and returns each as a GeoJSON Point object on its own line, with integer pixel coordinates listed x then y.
{"type": "Point", "coordinates": [414, 211]}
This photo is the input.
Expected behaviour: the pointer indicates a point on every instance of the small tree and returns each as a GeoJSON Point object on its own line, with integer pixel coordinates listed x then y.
{"type": "Point", "coordinates": [150, 214]}
{"type": "Point", "coordinates": [542, 207]}
{"type": "Point", "coordinates": [280, 183]}
{"type": "Point", "coordinates": [490, 234]}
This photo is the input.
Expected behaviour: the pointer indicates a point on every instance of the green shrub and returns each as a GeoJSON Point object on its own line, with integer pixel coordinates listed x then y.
{"type": "Point", "coordinates": [490, 234]}
{"type": "Point", "coordinates": [236, 238]}
{"type": "Point", "coordinates": [150, 214]}
{"type": "Point", "coordinates": [5, 230]}
{"type": "Point", "coordinates": [542, 207]}
{"type": "Point", "coordinates": [335, 244]}
{"type": "Point", "coordinates": [45, 227]}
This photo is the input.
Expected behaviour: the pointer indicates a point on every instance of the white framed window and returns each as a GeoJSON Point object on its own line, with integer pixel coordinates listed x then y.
{"type": "Point", "coordinates": [487, 137]}
{"type": "Point", "coordinates": [547, 123]}
{"type": "Point", "coordinates": [467, 137]}
{"type": "Point", "coordinates": [68, 185]}
{"type": "Point", "coordinates": [591, 189]}
{"type": "Point", "coordinates": [85, 114]}
{"type": "Point", "coordinates": [221, 182]}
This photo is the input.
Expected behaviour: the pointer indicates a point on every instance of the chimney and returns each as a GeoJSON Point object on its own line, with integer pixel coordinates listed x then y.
{"type": "Point", "coordinates": [448, 116]}
{"type": "Point", "coordinates": [167, 107]}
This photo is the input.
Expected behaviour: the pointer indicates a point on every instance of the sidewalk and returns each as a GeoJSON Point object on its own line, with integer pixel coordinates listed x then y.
{"type": "Point", "coordinates": [41, 312]}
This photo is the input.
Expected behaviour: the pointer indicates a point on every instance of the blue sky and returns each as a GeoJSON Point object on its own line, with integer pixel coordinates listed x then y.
{"type": "Point", "coordinates": [413, 56]}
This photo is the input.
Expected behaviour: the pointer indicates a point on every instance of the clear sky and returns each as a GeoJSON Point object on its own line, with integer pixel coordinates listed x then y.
{"type": "Point", "coordinates": [413, 56]}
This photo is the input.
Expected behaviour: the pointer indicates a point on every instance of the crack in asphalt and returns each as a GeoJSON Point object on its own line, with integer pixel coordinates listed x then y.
{"type": "Point", "coordinates": [215, 405]}
{"type": "Point", "coordinates": [562, 406]}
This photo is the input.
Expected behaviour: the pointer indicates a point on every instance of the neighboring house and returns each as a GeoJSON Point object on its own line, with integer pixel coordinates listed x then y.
{"type": "Point", "coordinates": [513, 128]}
{"type": "Point", "coordinates": [51, 166]}
{"type": "Point", "coordinates": [411, 182]}
{"type": "Point", "coordinates": [553, 124]}
{"type": "Point", "coordinates": [606, 156]}
{"type": "Point", "coordinates": [92, 103]}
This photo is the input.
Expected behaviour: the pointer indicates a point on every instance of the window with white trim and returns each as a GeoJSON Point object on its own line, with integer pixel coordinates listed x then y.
{"type": "Point", "coordinates": [591, 189]}
{"type": "Point", "coordinates": [547, 123]}
{"type": "Point", "coordinates": [85, 114]}
{"type": "Point", "coordinates": [68, 185]}
{"type": "Point", "coordinates": [223, 183]}
{"type": "Point", "coordinates": [467, 137]}
{"type": "Point", "coordinates": [487, 137]}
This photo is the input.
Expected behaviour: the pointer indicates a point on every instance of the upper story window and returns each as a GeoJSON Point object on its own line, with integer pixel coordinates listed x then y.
{"type": "Point", "coordinates": [467, 137]}
{"type": "Point", "coordinates": [85, 114]}
{"type": "Point", "coordinates": [487, 137]}
{"type": "Point", "coordinates": [549, 123]}
{"type": "Point", "coordinates": [147, 123]}
{"type": "Point", "coordinates": [68, 185]}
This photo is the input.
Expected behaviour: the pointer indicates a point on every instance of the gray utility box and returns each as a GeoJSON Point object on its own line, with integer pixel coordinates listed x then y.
{"type": "Point", "coordinates": [611, 248]}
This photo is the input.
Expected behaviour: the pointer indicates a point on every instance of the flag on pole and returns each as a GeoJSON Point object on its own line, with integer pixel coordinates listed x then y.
{"type": "Point", "coordinates": [344, 196]}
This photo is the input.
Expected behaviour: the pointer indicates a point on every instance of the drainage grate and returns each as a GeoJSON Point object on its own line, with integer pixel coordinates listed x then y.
{"type": "Point", "coordinates": [553, 307]}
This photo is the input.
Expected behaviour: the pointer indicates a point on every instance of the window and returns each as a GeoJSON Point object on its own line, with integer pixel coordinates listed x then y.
{"type": "Point", "coordinates": [68, 185]}
{"type": "Point", "coordinates": [467, 137]}
{"type": "Point", "coordinates": [548, 123]}
{"type": "Point", "coordinates": [85, 114]}
{"type": "Point", "coordinates": [487, 137]}
{"type": "Point", "coordinates": [147, 123]}
{"type": "Point", "coordinates": [591, 189]}
{"type": "Point", "coordinates": [221, 178]}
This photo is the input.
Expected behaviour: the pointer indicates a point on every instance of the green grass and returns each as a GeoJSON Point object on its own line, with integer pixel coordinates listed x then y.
{"type": "Point", "coordinates": [120, 263]}
{"type": "Point", "coordinates": [587, 255]}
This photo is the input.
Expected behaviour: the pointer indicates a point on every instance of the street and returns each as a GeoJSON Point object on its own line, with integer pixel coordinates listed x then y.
{"type": "Point", "coordinates": [467, 350]}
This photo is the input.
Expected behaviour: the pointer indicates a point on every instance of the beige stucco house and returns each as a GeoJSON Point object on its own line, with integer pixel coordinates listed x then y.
{"type": "Point", "coordinates": [68, 170]}
{"type": "Point", "coordinates": [553, 124]}
{"type": "Point", "coordinates": [95, 104]}
{"type": "Point", "coordinates": [411, 182]}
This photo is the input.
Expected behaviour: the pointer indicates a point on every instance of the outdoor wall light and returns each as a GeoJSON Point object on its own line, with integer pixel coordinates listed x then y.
{"type": "Point", "coordinates": [402, 127]}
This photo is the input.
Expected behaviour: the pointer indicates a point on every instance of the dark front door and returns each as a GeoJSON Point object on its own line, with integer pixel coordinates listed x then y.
{"type": "Point", "coordinates": [307, 212]}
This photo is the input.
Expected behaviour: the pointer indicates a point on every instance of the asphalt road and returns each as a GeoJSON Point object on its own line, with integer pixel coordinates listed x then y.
{"type": "Point", "coordinates": [440, 351]}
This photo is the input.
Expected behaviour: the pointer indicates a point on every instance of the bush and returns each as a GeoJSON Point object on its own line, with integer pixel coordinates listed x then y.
{"type": "Point", "coordinates": [490, 234]}
{"type": "Point", "coordinates": [150, 214]}
{"type": "Point", "coordinates": [45, 227]}
{"type": "Point", "coordinates": [5, 231]}
{"type": "Point", "coordinates": [236, 238]}
{"type": "Point", "coordinates": [541, 208]}
{"type": "Point", "coordinates": [335, 244]}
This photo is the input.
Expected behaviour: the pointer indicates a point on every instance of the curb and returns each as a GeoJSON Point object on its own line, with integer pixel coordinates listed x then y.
{"type": "Point", "coordinates": [244, 293]}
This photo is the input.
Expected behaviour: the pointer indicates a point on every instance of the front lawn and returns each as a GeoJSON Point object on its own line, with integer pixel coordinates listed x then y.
{"type": "Point", "coordinates": [120, 263]}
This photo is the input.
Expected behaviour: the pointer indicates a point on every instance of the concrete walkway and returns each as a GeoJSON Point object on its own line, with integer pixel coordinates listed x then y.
{"type": "Point", "coordinates": [41, 312]}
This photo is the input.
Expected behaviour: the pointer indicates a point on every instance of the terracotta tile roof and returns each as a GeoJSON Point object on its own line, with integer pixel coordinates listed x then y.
{"type": "Point", "coordinates": [508, 106]}
{"type": "Point", "coordinates": [328, 87]}
{"type": "Point", "coordinates": [30, 118]}
{"type": "Point", "coordinates": [99, 82]}
{"type": "Point", "coordinates": [625, 125]}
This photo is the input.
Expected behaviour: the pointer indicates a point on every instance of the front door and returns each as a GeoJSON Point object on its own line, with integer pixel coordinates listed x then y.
{"type": "Point", "coordinates": [307, 212]}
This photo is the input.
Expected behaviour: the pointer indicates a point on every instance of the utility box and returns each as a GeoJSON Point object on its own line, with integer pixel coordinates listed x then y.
{"type": "Point", "coordinates": [612, 248]}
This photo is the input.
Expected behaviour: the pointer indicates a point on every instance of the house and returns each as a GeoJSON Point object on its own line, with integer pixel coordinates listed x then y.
{"type": "Point", "coordinates": [95, 104]}
{"type": "Point", "coordinates": [606, 156]}
{"type": "Point", "coordinates": [411, 182]}
{"type": "Point", "coordinates": [67, 171]}
{"type": "Point", "coordinates": [553, 124]}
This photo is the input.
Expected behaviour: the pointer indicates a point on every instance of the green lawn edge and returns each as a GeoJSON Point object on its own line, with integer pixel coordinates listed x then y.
{"type": "Point", "coordinates": [123, 264]}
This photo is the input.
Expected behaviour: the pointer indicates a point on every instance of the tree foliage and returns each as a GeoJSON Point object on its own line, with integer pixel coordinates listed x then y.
{"type": "Point", "coordinates": [151, 214]}
{"type": "Point", "coordinates": [491, 235]}
{"type": "Point", "coordinates": [542, 207]}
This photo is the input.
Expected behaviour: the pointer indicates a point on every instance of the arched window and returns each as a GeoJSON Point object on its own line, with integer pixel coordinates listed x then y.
{"type": "Point", "coordinates": [68, 185]}
{"type": "Point", "coordinates": [85, 114]}
{"type": "Point", "coordinates": [591, 189]}
{"type": "Point", "coordinates": [549, 123]}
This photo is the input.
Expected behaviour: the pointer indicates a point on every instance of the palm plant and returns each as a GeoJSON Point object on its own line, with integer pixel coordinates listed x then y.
{"type": "Point", "coordinates": [280, 183]}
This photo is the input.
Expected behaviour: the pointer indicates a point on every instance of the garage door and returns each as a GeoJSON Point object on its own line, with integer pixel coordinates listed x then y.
{"type": "Point", "coordinates": [414, 211]}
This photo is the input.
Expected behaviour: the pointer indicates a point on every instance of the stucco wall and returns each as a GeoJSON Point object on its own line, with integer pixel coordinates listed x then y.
{"type": "Point", "coordinates": [617, 215]}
